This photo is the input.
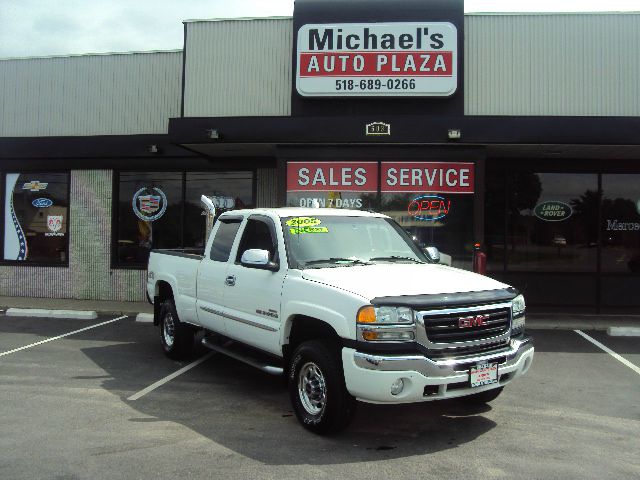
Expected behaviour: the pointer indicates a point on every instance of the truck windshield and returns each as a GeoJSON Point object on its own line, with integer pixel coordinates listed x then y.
{"type": "Point", "coordinates": [333, 241]}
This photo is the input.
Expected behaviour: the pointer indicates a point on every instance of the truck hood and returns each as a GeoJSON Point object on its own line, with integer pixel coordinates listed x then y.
{"type": "Point", "coordinates": [391, 280]}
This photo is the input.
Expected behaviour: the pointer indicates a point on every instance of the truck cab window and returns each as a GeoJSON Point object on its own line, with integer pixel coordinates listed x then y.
{"type": "Point", "coordinates": [257, 234]}
{"type": "Point", "coordinates": [222, 242]}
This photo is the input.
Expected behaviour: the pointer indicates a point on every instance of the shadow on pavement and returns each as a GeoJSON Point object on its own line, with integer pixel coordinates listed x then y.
{"type": "Point", "coordinates": [249, 412]}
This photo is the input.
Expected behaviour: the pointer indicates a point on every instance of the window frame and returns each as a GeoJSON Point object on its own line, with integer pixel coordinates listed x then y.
{"type": "Point", "coordinates": [115, 264]}
{"type": "Point", "coordinates": [22, 263]}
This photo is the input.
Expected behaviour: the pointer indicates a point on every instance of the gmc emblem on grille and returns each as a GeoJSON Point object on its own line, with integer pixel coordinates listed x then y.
{"type": "Point", "coordinates": [475, 321]}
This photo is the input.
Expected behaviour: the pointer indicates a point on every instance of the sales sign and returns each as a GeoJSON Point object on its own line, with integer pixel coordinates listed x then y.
{"type": "Point", "coordinates": [332, 176]}
{"type": "Point", "coordinates": [408, 59]}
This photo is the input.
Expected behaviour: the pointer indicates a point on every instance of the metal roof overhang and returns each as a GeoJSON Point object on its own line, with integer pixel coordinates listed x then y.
{"type": "Point", "coordinates": [502, 136]}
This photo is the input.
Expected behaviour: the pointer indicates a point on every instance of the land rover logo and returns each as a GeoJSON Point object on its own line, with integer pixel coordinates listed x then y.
{"type": "Point", "coordinates": [378, 128]}
{"type": "Point", "coordinates": [473, 321]}
{"type": "Point", "coordinates": [552, 211]}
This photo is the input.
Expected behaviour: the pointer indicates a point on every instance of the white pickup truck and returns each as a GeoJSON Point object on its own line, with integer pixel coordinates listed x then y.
{"type": "Point", "coordinates": [346, 305]}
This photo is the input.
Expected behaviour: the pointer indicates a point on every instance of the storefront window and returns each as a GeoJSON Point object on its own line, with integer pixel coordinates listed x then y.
{"type": "Point", "coordinates": [36, 218]}
{"type": "Point", "coordinates": [621, 223]}
{"type": "Point", "coordinates": [231, 190]}
{"type": "Point", "coordinates": [163, 209]}
{"type": "Point", "coordinates": [552, 220]}
{"type": "Point", "coordinates": [433, 201]}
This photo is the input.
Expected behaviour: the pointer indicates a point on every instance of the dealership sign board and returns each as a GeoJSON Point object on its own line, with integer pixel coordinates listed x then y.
{"type": "Point", "coordinates": [433, 177]}
{"type": "Point", "coordinates": [403, 59]}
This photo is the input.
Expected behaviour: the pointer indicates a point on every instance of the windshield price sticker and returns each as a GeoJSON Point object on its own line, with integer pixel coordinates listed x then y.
{"type": "Point", "coordinates": [300, 225]}
{"type": "Point", "coordinates": [483, 374]}
{"type": "Point", "coordinates": [377, 59]}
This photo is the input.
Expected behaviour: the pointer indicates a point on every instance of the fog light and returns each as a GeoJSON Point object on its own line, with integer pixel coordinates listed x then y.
{"type": "Point", "coordinates": [397, 387]}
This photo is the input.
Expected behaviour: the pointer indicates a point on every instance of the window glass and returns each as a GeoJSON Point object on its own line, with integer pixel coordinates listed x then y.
{"type": "Point", "coordinates": [433, 201]}
{"type": "Point", "coordinates": [36, 217]}
{"type": "Point", "coordinates": [317, 242]}
{"type": "Point", "coordinates": [223, 241]}
{"type": "Point", "coordinates": [352, 185]}
{"type": "Point", "coordinates": [230, 190]}
{"type": "Point", "coordinates": [552, 220]}
{"type": "Point", "coordinates": [620, 223]}
{"type": "Point", "coordinates": [494, 219]}
{"type": "Point", "coordinates": [149, 214]}
{"type": "Point", "coordinates": [257, 234]}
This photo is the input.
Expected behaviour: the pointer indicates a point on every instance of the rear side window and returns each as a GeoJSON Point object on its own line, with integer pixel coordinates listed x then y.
{"type": "Point", "coordinates": [222, 242]}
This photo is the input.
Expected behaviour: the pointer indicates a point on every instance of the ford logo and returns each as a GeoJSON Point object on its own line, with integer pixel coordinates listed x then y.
{"type": "Point", "coordinates": [42, 203]}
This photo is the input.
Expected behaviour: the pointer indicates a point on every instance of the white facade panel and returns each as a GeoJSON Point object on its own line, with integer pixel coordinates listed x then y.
{"type": "Point", "coordinates": [121, 94]}
{"type": "Point", "coordinates": [238, 68]}
{"type": "Point", "coordinates": [566, 64]}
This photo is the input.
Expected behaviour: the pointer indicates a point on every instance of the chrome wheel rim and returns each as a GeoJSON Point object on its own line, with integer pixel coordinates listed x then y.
{"type": "Point", "coordinates": [312, 388]}
{"type": "Point", "coordinates": [169, 330]}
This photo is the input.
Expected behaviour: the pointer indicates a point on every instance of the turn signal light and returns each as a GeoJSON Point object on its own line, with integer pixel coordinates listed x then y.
{"type": "Point", "coordinates": [369, 335]}
{"type": "Point", "coordinates": [367, 315]}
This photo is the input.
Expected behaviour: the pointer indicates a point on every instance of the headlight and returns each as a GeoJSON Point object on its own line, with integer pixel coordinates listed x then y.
{"type": "Point", "coordinates": [385, 315]}
{"type": "Point", "coordinates": [517, 322]}
{"type": "Point", "coordinates": [386, 324]}
{"type": "Point", "coordinates": [518, 306]}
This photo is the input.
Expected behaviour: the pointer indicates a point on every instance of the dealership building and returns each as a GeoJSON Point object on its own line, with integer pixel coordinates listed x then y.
{"type": "Point", "coordinates": [520, 132]}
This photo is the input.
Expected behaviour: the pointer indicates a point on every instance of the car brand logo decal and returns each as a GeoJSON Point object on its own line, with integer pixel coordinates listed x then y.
{"type": "Point", "coordinates": [473, 321]}
{"type": "Point", "coordinates": [35, 186]}
{"type": "Point", "coordinates": [42, 203]}
{"type": "Point", "coordinates": [149, 203]}
{"type": "Point", "coordinates": [54, 224]}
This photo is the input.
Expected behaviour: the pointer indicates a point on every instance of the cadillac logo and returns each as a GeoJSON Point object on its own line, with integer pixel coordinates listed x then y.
{"type": "Point", "coordinates": [149, 203]}
{"type": "Point", "coordinates": [473, 321]}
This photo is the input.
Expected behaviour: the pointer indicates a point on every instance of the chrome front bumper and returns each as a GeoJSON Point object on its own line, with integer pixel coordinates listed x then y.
{"type": "Point", "coordinates": [369, 376]}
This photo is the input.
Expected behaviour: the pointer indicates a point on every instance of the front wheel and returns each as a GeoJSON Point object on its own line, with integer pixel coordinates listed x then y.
{"type": "Point", "coordinates": [175, 336]}
{"type": "Point", "coordinates": [318, 394]}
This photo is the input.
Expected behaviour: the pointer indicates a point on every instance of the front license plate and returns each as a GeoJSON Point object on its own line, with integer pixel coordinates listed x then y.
{"type": "Point", "coordinates": [483, 374]}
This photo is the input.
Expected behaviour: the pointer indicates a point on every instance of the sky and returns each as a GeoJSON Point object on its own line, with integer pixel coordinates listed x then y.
{"type": "Point", "coordinates": [62, 27]}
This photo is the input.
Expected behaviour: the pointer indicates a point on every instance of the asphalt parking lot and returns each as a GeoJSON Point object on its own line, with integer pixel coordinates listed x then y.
{"type": "Point", "coordinates": [67, 412]}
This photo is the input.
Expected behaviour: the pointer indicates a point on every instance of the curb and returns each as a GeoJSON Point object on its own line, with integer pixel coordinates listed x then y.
{"type": "Point", "coordinates": [144, 318]}
{"type": "Point", "coordinates": [623, 331]}
{"type": "Point", "coordinates": [38, 312]}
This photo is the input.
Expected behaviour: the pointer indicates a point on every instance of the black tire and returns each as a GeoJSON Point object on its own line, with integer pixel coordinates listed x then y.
{"type": "Point", "coordinates": [316, 386]}
{"type": "Point", "coordinates": [482, 397]}
{"type": "Point", "coordinates": [175, 336]}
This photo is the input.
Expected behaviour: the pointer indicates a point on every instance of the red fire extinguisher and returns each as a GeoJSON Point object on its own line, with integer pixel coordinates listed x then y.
{"type": "Point", "coordinates": [479, 260]}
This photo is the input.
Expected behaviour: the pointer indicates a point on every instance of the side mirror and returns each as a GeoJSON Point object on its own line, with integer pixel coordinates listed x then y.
{"type": "Point", "coordinates": [433, 253]}
{"type": "Point", "coordinates": [256, 258]}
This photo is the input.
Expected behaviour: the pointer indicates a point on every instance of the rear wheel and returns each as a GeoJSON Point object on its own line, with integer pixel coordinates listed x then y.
{"type": "Point", "coordinates": [175, 336]}
{"type": "Point", "coordinates": [482, 397]}
{"type": "Point", "coordinates": [316, 386]}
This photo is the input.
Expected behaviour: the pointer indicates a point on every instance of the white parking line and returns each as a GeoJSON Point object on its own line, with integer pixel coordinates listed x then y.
{"type": "Point", "coordinates": [609, 351]}
{"type": "Point", "coordinates": [61, 336]}
{"type": "Point", "coordinates": [168, 378]}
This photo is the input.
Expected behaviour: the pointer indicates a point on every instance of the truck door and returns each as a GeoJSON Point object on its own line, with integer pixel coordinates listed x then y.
{"type": "Point", "coordinates": [212, 273]}
{"type": "Point", "coordinates": [252, 295]}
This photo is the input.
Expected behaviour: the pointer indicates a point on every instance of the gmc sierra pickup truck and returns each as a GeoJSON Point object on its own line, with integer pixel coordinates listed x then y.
{"type": "Point", "coordinates": [344, 304]}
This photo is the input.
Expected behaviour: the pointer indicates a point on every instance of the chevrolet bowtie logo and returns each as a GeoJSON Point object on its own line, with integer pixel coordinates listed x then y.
{"type": "Point", "coordinates": [34, 186]}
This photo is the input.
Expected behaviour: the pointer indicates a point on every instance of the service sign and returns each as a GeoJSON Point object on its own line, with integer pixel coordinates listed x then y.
{"type": "Point", "coordinates": [405, 59]}
{"type": "Point", "coordinates": [433, 177]}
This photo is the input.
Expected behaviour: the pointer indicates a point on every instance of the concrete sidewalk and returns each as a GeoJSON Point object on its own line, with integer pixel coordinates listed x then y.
{"type": "Point", "coordinates": [565, 321]}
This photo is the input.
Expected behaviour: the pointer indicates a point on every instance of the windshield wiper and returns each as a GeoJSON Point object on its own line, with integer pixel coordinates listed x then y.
{"type": "Point", "coordinates": [396, 258]}
{"type": "Point", "coordinates": [337, 260]}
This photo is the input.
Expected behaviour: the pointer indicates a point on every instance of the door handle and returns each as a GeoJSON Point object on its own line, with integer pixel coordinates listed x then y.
{"type": "Point", "coordinates": [230, 280]}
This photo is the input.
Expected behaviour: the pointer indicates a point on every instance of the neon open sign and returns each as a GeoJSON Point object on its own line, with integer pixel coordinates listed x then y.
{"type": "Point", "coordinates": [429, 207]}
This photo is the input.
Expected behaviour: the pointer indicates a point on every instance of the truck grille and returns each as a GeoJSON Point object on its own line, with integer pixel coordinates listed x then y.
{"type": "Point", "coordinates": [486, 325]}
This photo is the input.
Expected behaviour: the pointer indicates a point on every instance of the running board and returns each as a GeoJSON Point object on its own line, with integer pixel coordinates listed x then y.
{"type": "Point", "coordinates": [254, 362]}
